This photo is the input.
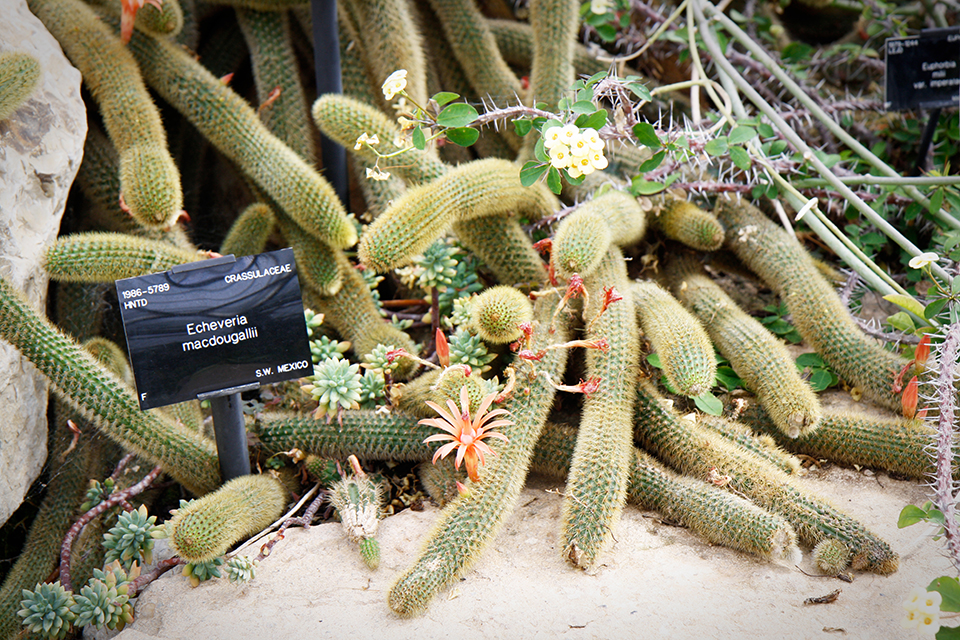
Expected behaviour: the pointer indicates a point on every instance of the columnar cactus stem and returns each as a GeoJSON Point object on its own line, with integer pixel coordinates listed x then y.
{"type": "Point", "coordinates": [165, 21]}
{"type": "Point", "coordinates": [424, 213]}
{"type": "Point", "coordinates": [105, 400]}
{"type": "Point", "coordinates": [205, 528]}
{"type": "Point", "coordinates": [249, 233]}
{"type": "Point", "coordinates": [275, 68]}
{"type": "Point", "coordinates": [230, 124]}
{"type": "Point", "coordinates": [817, 312]}
{"type": "Point", "coordinates": [697, 452]}
{"type": "Point", "coordinates": [759, 358]}
{"type": "Point", "coordinates": [398, 436]}
{"type": "Point", "coordinates": [685, 351]}
{"type": "Point", "coordinates": [596, 486]}
{"type": "Point", "coordinates": [392, 41]}
{"type": "Point", "coordinates": [715, 514]}
{"type": "Point", "coordinates": [555, 24]}
{"type": "Point", "coordinates": [149, 178]}
{"type": "Point", "coordinates": [105, 257]}
{"type": "Point", "coordinates": [685, 222]}
{"type": "Point", "coordinates": [470, 522]}
{"type": "Point", "coordinates": [476, 51]}
{"type": "Point", "coordinates": [19, 76]}
{"type": "Point", "coordinates": [502, 244]}
{"type": "Point", "coordinates": [316, 262]}
{"type": "Point", "coordinates": [894, 444]}
{"type": "Point", "coordinates": [762, 445]}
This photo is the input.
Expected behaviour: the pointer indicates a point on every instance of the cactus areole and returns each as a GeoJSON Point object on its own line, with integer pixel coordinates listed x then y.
{"type": "Point", "coordinates": [215, 325]}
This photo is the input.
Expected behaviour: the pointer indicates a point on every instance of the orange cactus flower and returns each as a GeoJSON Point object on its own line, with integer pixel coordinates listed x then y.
{"type": "Point", "coordinates": [910, 397]}
{"type": "Point", "coordinates": [128, 14]}
{"type": "Point", "coordinates": [465, 433]}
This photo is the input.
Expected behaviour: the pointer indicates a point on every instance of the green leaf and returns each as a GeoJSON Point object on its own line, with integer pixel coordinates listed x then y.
{"type": "Point", "coordinates": [709, 403]}
{"type": "Point", "coordinates": [607, 32]}
{"type": "Point", "coordinates": [765, 130]}
{"type": "Point", "coordinates": [457, 115]}
{"type": "Point", "coordinates": [462, 136]}
{"type": "Point", "coordinates": [955, 285]}
{"type": "Point", "coordinates": [729, 378]}
{"type": "Point", "coordinates": [947, 587]}
{"type": "Point", "coordinates": [553, 180]}
{"type": "Point", "coordinates": [593, 120]}
{"type": "Point", "coordinates": [812, 360]}
{"type": "Point", "coordinates": [641, 187]}
{"type": "Point", "coordinates": [654, 360]}
{"type": "Point", "coordinates": [532, 171]}
{"type": "Point", "coordinates": [796, 52]}
{"type": "Point", "coordinates": [647, 135]}
{"type": "Point", "coordinates": [936, 201]}
{"type": "Point", "coordinates": [902, 322]}
{"type": "Point", "coordinates": [740, 158]}
{"type": "Point", "coordinates": [934, 308]}
{"type": "Point", "coordinates": [640, 91]}
{"type": "Point", "coordinates": [652, 163]}
{"type": "Point", "coordinates": [444, 97]}
{"type": "Point", "coordinates": [905, 302]}
{"type": "Point", "coordinates": [717, 147]}
{"type": "Point", "coordinates": [419, 140]}
{"type": "Point", "coordinates": [583, 106]}
{"type": "Point", "coordinates": [595, 78]}
{"type": "Point", "coordinates": [522, 127]}
{"type": "Point", "coordinates": [539, 152]}
{"type": "Point", "coordinates": [947, 633]}
{"type": "Point", "coordinates": [742, 134]}
{"type": "Point", "coordinates": [911, 515]}
{"type": "Point", "coordinates": [820, 379]}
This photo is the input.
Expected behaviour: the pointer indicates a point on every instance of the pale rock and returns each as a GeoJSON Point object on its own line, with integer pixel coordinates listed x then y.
{"type": "Point", "coordinates": [41, 146]}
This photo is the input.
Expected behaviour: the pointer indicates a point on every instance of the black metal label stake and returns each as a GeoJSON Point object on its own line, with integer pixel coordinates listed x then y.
{"type": "Point", "coordinates": [212, 329]}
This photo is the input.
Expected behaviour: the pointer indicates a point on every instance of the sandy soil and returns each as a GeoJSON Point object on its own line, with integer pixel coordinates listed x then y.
{"type": "Point", "coordinates": [656, 581]}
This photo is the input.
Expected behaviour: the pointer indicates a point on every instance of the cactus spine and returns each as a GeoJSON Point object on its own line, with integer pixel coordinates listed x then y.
{"type": "Point", "coordinates": [699, 453]}
{"type": "Point", "coordinates": [470, 522]}
{"type": "Point", "coordinates": [760, 359]}
{"type": "Point", "coordinates": [359, 503]}
{"type": "Point", "coordinates": [105, 400]}
{"type": "Point", "coordinates": [581, 242]}
{"type": "Point", "coordinates": [105, 257]}
{"type": "Point", "coordinates": [205, 528]}
{"type": "Point", "coordinates": [315, 260]}
{"type": "Point", "coordinates": [228, 122]}
{"type": "Point", "coordinates": [685, 351]}
{"type": "Point", "coordinates": [596, 486]}
{"type": "Point", "coordinates": [425, 212]}
{"type": "Point", "coordinates": [19, 76]}
{"type": "Point", "coordinates": [555, 24]}
{"type": "Point", "coordinates": [149, 178]}
{"type": "Point", "coordinates": [502, 244]}
{"type": "Point", "coordinates": [818, 314]}
{"type": "Point", "coordinates": [762, 445]}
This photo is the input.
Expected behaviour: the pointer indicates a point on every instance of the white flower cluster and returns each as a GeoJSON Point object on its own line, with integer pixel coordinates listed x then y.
{"type": "Point", "coordinates": [923, 260]}
{"type": "Point", "coordinates": [923, 611]}
{"type": "Point", "coordinates": [579, 151]}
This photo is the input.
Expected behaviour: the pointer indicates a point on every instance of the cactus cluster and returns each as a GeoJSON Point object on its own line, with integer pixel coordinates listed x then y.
{"type": "Point", "coordinates": [614, 287]}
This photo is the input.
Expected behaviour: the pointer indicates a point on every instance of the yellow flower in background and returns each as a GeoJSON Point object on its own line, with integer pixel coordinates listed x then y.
{"type": "Point", "coordinates": [394, 84]}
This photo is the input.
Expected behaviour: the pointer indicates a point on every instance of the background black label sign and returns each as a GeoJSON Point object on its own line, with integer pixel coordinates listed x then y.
{"type": "Point", "coordinates": [923, 71]}
{"type": "Point", "coordinates": [213, 325]}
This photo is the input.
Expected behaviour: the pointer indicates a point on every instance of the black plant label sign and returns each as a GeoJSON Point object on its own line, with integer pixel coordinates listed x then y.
{"type": "Point", "coordinates": [214, 325]}
{"type": "Point", "coordinates": [923, 71]}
